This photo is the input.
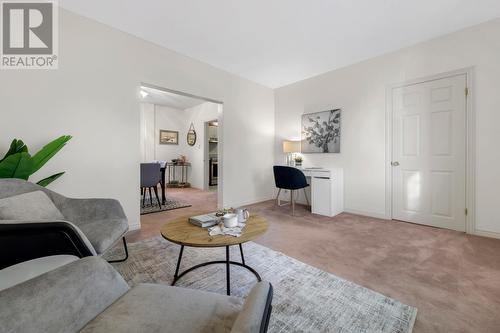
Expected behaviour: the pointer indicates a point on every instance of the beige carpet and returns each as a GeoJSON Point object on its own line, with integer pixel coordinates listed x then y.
{"type": "Point", "coordinates": [306, 299]}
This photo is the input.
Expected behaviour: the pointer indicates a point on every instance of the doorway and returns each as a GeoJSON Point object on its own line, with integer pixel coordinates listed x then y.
{"type": "Point", "coordinates": [211, 159]}
{"type": "Point", "coordinates": [172, 134]}
{"type": "Point", "coordinates": [429, 148]}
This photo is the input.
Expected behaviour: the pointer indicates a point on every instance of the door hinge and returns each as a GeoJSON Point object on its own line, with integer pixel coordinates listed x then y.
{"type": "Point", "coordinates": [466, 91]}
{"type": "Point", "coordinates": [466, 212]}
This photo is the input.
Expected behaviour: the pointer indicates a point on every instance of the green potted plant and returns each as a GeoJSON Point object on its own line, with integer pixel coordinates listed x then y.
{"type": "Point", "coordinates": [19, 163]}
{"type": "Point", "coordinates": [298, 160]}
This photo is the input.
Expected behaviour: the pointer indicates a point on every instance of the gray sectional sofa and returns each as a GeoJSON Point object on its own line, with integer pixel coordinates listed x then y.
{"type": "Point", "coordinates": [89, 295]}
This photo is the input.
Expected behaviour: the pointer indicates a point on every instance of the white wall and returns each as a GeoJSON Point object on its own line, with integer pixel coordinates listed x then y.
{"type": "Point", "coordinates": [360, 90]}
{"type": "Point", "coordinates": [156, 117]}
{"type": "Point", "coordinates": [94, 97]}
{"type": "Point", "coordinates": [147, 132]}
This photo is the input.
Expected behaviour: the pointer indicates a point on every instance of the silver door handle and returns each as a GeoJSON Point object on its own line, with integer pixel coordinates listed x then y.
{"type": "Point", "coordinates": [396, 163]}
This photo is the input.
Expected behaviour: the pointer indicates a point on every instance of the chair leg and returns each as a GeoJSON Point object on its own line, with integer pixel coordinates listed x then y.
{"type": "Point", "coordinates": [126, 252]}
{"type": "Point", "coordinates": [305, 194]}
{"type": "Point", "coordinates": [278, 197]}
{"type": "Point", "coordinates": [157, 197]}
{"type": "Point", "coordinates": [293, 202]}
{"type": "Point", "coordinates": [143, 197]}
{"type": "Point", "coordinates": [150, 197]}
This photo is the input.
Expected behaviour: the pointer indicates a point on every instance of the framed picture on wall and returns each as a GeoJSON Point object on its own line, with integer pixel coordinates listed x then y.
{"type": "Point", "coordinates": [321, 132]}
{"type": "Point", "coordinates": [168, 137]}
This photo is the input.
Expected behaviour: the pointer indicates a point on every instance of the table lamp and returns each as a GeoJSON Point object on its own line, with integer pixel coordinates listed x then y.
{"type": "Point", "coordinates": [290, 148]}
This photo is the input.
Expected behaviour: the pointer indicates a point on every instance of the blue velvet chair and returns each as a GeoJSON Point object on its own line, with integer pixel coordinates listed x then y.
{"type": "Point", "coordinates": [150, 178]}
{"type": "Point", "coordinates": [291, 179]}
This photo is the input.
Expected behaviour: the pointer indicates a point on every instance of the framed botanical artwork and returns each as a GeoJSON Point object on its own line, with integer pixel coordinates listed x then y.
{"type": "Point", "coordinates": [169, 137]}
{"type": "Point", "coordinates": [321, 132]}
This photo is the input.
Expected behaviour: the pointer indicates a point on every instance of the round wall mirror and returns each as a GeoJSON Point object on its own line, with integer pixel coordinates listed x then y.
{"type": "Point", "coordinates": [191, 135]}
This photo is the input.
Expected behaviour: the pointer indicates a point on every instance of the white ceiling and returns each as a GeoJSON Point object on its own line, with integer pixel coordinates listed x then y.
{"type": "Point", "coordinates": [277, 42]}
{"type": "Point", "coordinates": [176, 101]}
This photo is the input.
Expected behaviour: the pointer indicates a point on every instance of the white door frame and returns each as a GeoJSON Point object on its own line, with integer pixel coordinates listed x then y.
{"type": "Point", "coordinates": [470, 168]}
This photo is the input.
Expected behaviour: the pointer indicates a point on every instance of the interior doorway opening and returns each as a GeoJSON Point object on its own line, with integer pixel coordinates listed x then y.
{"type": "Point", "coordinates": [180, 136]}
{"type": "Point", "coordinates": [211, 160]}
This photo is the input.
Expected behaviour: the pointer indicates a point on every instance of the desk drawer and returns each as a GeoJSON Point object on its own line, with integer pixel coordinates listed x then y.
{"type": "Point", "coordinates": [321, 173]}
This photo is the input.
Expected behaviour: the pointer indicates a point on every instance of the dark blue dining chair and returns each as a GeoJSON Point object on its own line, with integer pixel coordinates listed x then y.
{"type": "Point", "coordinates": [150, 178]}
{"type": "Point", "coordinates": [289, 178]}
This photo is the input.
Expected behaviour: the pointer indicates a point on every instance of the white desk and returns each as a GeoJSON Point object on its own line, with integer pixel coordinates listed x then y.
{"type": "Point", "coordinates": [327, 190]}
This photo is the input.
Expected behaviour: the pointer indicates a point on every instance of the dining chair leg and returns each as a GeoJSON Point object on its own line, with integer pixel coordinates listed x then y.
{"type": "Point", "coordinates": [293, 202]}
{"type": "Point", "coordinates": [278, 197]}
{"type": "Point", "coordinates": [157, 197]}
{"type": "Point", "coordinates": [305, 194]}
{"type": "Point", "coordinates": [150, 197]}
{"type": "Point", "coordinates": [143, 197]}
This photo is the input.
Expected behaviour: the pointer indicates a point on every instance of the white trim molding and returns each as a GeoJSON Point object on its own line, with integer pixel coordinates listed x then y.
{"type": "Point", "coordinates": [470, 199]}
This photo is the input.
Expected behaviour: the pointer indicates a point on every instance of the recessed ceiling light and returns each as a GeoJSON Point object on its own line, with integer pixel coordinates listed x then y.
{"type": "Point", "coordinates": [144, 94]}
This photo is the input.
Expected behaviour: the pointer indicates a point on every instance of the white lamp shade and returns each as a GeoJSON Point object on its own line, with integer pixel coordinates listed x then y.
{"type": "Point", "coordinates": [291, 146]}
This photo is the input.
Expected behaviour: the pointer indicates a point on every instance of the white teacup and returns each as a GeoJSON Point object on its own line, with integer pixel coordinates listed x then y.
{"type": "Point", "coordinates": [230, 220]}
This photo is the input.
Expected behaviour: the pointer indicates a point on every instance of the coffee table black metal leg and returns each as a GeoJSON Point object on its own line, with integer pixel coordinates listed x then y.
{"type": "Point", "coordinates": [228, 277]}
{"type": "Point", "coordinates": [176, 275]}
{"type": "Point", "coordinates": [227, 262]}
{"type": "Point", "coordinates": [242, 256]}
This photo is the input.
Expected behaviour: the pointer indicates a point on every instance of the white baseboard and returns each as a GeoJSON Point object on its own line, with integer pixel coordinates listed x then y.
{"type": "Point", "coordinates": [365, 213]}
{"type": "Point", "coordinates": [250, 202]}
{"type": "Point", "coordinates": [483, 233]}
{"type": "Point", "coordinates": [134, 226]}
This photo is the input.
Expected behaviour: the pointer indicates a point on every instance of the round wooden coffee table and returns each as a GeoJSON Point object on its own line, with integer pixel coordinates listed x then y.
{"type": "Point", "coordinates": [181, 232]}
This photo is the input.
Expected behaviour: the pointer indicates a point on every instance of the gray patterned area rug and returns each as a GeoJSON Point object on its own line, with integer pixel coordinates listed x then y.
{"type": "Point", "coordinates": [169, 205]}
{"type": "Point", "coordinates": [306, 299]}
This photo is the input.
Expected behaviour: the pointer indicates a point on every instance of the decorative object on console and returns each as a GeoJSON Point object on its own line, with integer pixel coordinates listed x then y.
{"type": "Point", "coordinates": [18, 163]}
{"type": "Point", "coordinates": [321, 132]}
{"type": "Point", "coordinates": [168, 137]}
{"type": "Point", "coordinates": [298, 160]}
{"type": "Point", "coordinates": [191, 136]}
{"type": "Point", "coordinates": [290, 148]}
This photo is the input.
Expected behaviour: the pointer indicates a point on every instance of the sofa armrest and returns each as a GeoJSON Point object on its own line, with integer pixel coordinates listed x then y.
{"type": "Point", "coordinates": [83, 210]}
{"type": "Point", "coordinates": [25, 240]}
{"type": "Point", "coordinates": [62, 300]}
{"type": "Point", "coordinates": [27, 270]}
{"type": "Point", "coordinates": [255, 314]}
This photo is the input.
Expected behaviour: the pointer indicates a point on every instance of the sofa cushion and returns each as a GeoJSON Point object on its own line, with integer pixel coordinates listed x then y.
{"type": "Point", "coordinates": [160, 308]}
{"type": "Point", "coordinates": [103, 233]}
{"type": "Point", "coordinates": [29, 206]}
{"type": "Point", "coordinates": [62, 300]}
{"type": "Point", "coordinates": [24, 271]}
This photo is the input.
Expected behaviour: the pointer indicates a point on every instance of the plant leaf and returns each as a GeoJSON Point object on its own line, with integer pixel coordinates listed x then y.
{"type": "Point", "coordinates": [18, 165]}
{"type": "Point", "coordinates": [48, 151]}
{"type": "Point", "coordinates": [16, 146]}
{"type": "Point", "coordinates": [46, 181]}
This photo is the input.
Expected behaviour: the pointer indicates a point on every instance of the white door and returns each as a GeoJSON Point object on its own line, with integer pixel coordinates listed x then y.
{"type": "Point", "coordinates": [429, 153]}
